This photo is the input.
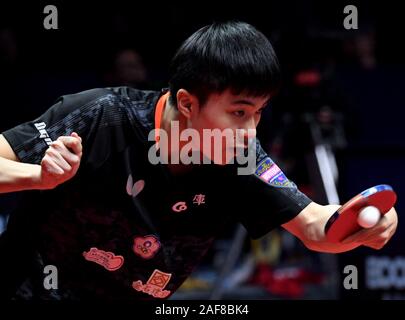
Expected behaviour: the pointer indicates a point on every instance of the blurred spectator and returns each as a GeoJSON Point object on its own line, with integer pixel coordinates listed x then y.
{"type": "Point", "coordinates": [8, 50]}
{"type": "Point", "coordinates": [128, 69]}
{"type": "Point", "coordinates": [361, 49]}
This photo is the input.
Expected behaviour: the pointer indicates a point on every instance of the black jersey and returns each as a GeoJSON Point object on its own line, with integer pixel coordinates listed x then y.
{"type": "Point", "coordinates": [123, 228]}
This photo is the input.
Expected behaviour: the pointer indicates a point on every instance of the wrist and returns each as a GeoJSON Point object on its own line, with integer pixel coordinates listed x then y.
{"type": "Point", "coordinates": [31, 177]}
{"type": "Point", "coordinates": [316, 229]}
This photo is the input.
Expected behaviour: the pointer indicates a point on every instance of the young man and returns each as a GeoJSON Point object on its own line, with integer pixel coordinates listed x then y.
{"type": "Point", "coordinates": [118, 225]}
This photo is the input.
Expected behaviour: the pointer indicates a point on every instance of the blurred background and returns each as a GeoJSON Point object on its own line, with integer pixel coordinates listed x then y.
{"type": "Point", "coordinates": [336, 127]}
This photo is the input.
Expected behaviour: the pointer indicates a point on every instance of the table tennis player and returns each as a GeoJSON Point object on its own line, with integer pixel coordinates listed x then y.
{"type": "Point", "coordinates": [115, 224]}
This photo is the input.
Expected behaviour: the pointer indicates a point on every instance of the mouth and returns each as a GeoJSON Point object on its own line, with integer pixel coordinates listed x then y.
{"type": "Point", "coordinates": [238, 151]}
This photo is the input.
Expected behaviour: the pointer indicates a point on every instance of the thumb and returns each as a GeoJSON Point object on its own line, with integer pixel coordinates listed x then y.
{"type": "Point", "coordinates": [358, 236]}
{"type": "Point", "coordinates": [75, 135]}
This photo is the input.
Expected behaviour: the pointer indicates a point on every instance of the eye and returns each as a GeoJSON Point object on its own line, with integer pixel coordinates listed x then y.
{"type": "Point", "coordinates": [239, 113]}
{"type": "Point", "coordinates": [260, 111]}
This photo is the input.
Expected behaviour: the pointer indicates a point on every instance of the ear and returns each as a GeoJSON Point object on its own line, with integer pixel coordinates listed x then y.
{"type": "Point", "coordinates": [187, 103]}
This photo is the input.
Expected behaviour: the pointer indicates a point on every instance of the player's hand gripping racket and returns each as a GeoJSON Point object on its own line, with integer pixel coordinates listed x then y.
{"type": "Point", "coordinates": [364, 210]}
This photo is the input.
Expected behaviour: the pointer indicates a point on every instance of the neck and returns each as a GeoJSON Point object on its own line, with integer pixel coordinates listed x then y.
{"type": "Point", "coordinates": [169, 115]}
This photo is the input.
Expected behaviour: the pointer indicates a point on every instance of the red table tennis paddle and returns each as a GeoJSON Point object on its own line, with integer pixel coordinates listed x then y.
{"type": "Point", "coordinates": [344, 221]}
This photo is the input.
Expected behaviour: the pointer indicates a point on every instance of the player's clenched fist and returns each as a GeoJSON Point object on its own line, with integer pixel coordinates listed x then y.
{"type": "Point", "coordinates": [61, 161]}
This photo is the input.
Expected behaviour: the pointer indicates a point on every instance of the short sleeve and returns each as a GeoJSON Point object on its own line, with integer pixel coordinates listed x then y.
{"type": "Point", "coordinates": [270, 198]}
{"type": "Point", "coordinates": [83, 112]}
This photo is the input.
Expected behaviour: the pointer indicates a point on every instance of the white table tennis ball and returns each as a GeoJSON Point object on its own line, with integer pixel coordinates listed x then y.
{"type": "Point", "coordinates": [368, 217]}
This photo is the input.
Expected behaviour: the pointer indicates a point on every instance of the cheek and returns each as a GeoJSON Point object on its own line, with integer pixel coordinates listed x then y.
{"type": "Point", "coordinates": [257, 119]}
{"type": "Point", "coordinates": [215, 121]}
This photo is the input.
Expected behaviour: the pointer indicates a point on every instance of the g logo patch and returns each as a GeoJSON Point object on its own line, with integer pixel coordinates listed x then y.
{"type": "Point", "coordinates": [179, 206]}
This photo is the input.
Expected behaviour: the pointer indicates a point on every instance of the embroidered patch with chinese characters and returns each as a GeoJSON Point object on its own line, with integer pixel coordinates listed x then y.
{"type": "Point", "coordinates": [155, 284]}
{"type": "Point", "coordinates": [104, 258]}
{"type": "Point", "coordinates": [199, 199]}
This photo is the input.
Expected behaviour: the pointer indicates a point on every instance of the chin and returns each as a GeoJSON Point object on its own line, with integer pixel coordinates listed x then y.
{"type": "Point", "coordinates": [229, 158]}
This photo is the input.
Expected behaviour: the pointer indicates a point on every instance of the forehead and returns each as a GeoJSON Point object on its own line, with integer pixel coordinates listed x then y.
{"type": "Point", "coordinates": [241, 98]}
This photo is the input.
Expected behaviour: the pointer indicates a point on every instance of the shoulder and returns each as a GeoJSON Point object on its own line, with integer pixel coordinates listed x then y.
{"type": "Point", "coordinates": [112, 103]}
{"type": "Point", "coordinates": [111, 95]}
{"type": "Point", "coordinates": [79, 99]}
{"type": "Point", "coordinates": [138, 105]}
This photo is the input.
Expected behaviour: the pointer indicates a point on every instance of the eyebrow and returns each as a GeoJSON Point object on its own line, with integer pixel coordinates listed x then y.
{"type": "Point", "coordinates": [243, 101]}
{"type": "Point", "coordinates": [249, 103]}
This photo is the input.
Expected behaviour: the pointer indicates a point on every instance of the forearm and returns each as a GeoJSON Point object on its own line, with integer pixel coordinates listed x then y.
{"type": "Point", "coordinates": [315, 238]}
{"type": "Point", "coordinates": [17, 176]}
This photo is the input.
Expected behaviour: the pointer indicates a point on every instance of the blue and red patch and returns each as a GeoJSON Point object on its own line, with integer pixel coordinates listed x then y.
{"type": "Point", "coordinates": [269, 172]}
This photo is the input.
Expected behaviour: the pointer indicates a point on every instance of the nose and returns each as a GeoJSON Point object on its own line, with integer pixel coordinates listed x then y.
{"type": "Point", "coordinates": [250, 134]}
{"type": "Point", "coordinates": [245, 134]}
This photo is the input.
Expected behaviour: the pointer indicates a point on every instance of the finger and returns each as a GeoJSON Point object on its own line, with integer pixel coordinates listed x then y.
{"type": "Point", "coordinates": [72, 143]}
{"type": "Point", "coordinates": [51, 167]}
{"type": "Point", "coordinates": [382, 236]}
{"type": "Point", "coordinates": [383, 229]}
{"type": "Point", "coordinates": [58, 159]}
{"type": "Point", "coordinates": [375, 245]}
{"type": "Point", "coordinates": [383, 223]}
{"type": "Point", "coordinates": [70, 157]}
{"type": "Point", "coordinates": [357, 237]}
{"type": "Point", "coordinates": [366, 234]}
{"type": "Point", "coordinates": [384, 232]}
{"type": "Point", "coordinates": [378, 238]}
{"type": "Point", "coordinates": [369, 234]}
{"type": "Point", "coordinates": [379, 235]}
{"type": "Point", "coordinates": [75, 135]}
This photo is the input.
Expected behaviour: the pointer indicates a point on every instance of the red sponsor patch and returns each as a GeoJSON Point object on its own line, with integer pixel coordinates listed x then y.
{"type": "Point", "coordinates": [104, 258]}
{"type": "Point", "coordinates": [146, 247]}
{"type": "Point", "coordinates": [155, 285]}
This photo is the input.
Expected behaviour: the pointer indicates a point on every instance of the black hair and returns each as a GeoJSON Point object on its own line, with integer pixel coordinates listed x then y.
{"type": "Point", "coordinates": [231, 55]}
